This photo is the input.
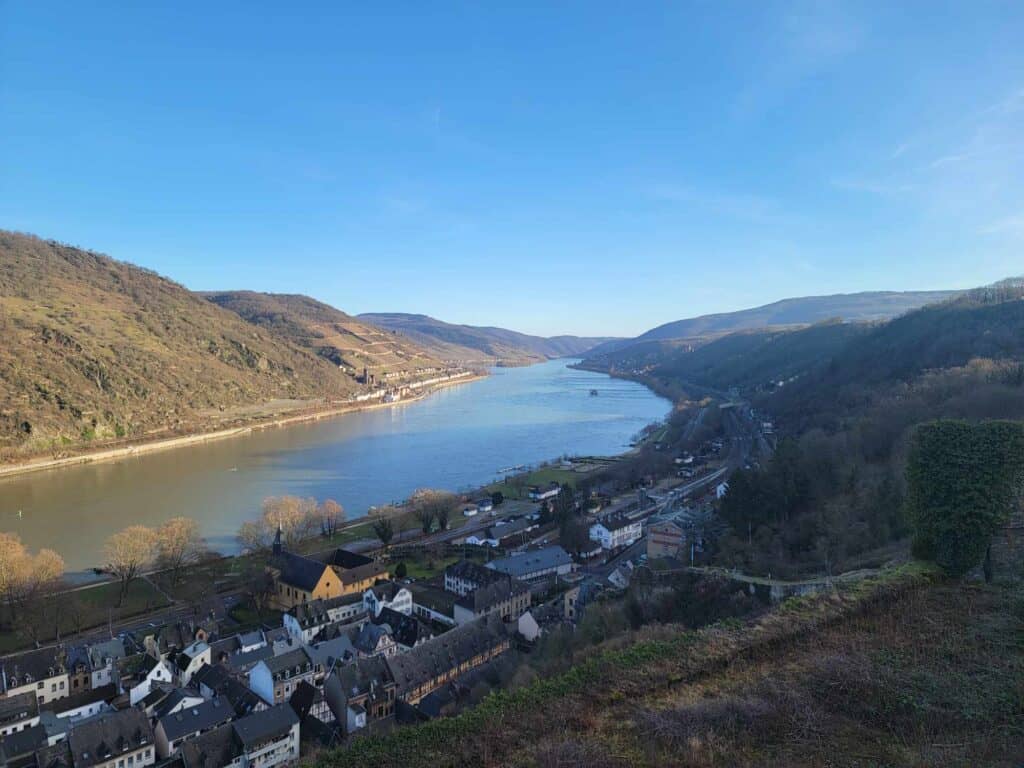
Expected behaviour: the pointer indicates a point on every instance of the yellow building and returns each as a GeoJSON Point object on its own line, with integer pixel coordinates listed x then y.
{"type": "Point", "coordinates": [304, 578]}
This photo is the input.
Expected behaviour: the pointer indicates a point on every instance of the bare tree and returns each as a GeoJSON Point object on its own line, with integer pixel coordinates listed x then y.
{"type": "Point", "coordinates": [294, 516]}
{"type": "Point", "coordinates": [128, 552]}
{"type": "Point", "coordinates": [253, 536]}
{"type": "Point", "coordinates": [331, 515]}
{"type": "Point", "coordinates": [384, 530]}
{"type": "Point", "coordinates": [430, 505]}
{"type": "Point", "coordinates": [178, 545]}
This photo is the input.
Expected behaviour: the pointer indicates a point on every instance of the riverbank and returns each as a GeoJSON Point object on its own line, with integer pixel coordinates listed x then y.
{"type": "Point", "coordinates": [168, 443]}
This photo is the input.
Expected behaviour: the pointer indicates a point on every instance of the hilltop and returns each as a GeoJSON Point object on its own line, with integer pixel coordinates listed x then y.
{"type": "Point", "coordinates": [328, 332]}
{"type": "Point", "coordinates": [475, 344]}
{"type": "Point", "coordinates": [865, 307]}
{"type": "Point", "coordinates": [100, 350]}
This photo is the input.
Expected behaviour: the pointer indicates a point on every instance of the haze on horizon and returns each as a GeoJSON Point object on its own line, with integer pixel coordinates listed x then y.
{"type": "Point", "coordinates": [591, 168]}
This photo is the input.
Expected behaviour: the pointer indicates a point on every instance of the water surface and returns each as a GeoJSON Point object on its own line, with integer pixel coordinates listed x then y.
{"type": "Point", "coordinates": [456, 438]}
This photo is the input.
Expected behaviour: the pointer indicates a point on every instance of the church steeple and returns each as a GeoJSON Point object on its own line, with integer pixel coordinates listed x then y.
{"type": "Point", "coordinates": [278, 548]}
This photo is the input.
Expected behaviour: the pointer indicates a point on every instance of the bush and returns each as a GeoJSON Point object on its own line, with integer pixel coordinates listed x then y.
{"type": "Point", "coordinates": [401, 570]}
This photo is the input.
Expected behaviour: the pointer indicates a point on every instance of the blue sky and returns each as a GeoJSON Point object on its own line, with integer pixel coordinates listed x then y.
{"type": "Point", "coordinates": [592, 168]}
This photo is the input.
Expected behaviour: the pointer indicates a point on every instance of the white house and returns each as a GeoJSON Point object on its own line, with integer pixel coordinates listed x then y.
{"type": "Point", "coordinates": [269, 738]}
{"type": "Point", "coordinates": [616, 531]}
{"type": "Point", "coordinates": [528, 627]}
{"type": "Point", "coordinates": [114, 740]}
{"type": "Point", "coordinates": [721, 489]}
{"type": "Point", "coordinates": [306, 620]}
{"type": "Point", "coordinates": [18, 712]}
{"type": "Point", "coordinates": [548, 492]}
{"type": "Point", "coordinates": [153, 671]}
{"type": "Point", "coordinates": [43, 673]}
{"type": "Point", "coordinates": [188, 660]}
{"type": "Point", "coordinates": [388, 595]}
{"type": "Point", "coordinates": [485, 505]}
{"type": "Point", "coordinates": [102, 657]}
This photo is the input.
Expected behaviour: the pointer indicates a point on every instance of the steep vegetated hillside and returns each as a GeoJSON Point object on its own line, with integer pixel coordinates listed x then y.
{"type": "Point", "coordinates": [330, 333]}
{"type": "Point", "coordinates": [97, 349]}
{"type": "Point", "coordinates": [467, 343]}
{"type": "Point", "coordinates": [850, 307]}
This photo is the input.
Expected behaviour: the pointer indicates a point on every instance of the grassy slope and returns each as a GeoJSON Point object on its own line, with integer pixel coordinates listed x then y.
{"type": "Point", "coordinates": [899, 670]}
{"type": "Point", "coordinates": [328, 332]}
{"type": "Point", "coordinates": [96, 348]}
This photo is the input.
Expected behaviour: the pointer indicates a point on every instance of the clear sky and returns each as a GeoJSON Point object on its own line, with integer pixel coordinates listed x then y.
{"type": "Point", "coordinates": [558, 167]}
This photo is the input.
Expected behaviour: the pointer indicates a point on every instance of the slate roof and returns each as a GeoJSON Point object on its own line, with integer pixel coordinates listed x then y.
{"type": "Point", "coordinates": [40, 664]}
{"type": "Point", "coordinates": [337, 650]}
{"type": "Point", "coordinates": [532, 561]}
{"type": "Point", "coordinates": [262, 727]}
{"type": "Point", "coordinates": [311, 614]}
{"type": "Point", "coordinates": [370, 675]}
{"type": "Point", "coordinates": [14, 709]}
{"type": "Point", "coordinates": [171, 700]}
{"type": "Point", "coordinates": [213, 749]}
{"type": "Point", "coordinates": [343, 558]}
{"type": "Point", "coordinates": [290, 664]}
{"type": "Point", "coordinates": [433, 598]}
{"type": "Point", "coordinates": [22, 743]}
{"type": "Point", "coordinates": [202, 717]}
{"type": "Point", "coordinates": [467, 570]}
{"type": "Point", "coordinates": [100, 739]}
{"type": "Point", "coordinates": [81, 699]}
{"type": "Point", "coordinates": [57, 756]}
{"type": "Point", "coordinates": [241, 698]}
{"type": "Point", "coordinates": [428, 660]}
{"type": "Point", "coordinates": [100, 652]}
{"type": "Point", "coordinates": [243, 661]}
{"type": "Point", "coordinates": [486, 597]}
{"type": "Point", "coordinates": [368, 637]}
{"type": "Point", "coordinates": [299, 571]}
{"type": "Point", "coordinates": [406, 630]}
{"type": "Point", "coordinates": [213, 676]}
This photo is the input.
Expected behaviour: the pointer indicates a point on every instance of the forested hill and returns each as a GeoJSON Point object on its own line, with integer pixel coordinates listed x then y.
{"type": "Point", "coordinates": [97, 349]}
{"type": "Point", "coordinates": [468, 343]}
{"type": "Point", "coordinates": [863, 307]}
{"type": "Point", "coordinates": [329, 332]}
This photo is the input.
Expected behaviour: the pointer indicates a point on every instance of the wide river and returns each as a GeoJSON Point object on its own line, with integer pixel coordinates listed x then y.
{"type": "Point", "coordinates": [456, 438]}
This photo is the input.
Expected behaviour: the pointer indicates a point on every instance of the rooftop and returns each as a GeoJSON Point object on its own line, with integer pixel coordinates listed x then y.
{"type": "Point", "coordinates": [103, 738]}
{"type": "Point", "coordinates": [525, 563]}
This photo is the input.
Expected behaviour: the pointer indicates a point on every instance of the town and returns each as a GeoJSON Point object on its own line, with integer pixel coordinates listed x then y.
{"type": "Point", "coordinates": [348, 643]}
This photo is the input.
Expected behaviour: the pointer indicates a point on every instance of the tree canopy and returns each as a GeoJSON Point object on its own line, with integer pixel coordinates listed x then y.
{"type": "Point", "coordinates": [963, 482]}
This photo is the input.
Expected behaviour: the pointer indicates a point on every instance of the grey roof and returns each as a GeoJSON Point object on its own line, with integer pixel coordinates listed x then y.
{"type": "Point", "coordinates": [266, 726]}
{"type": "Point", "coordinates": [242, 698]}
{"type": "Point", "coordinates": [299, 571]}
{"type": "Point", "coordinates": [428, 660]}
{"type": "Point", "coordinates": [242, 661]}
{"type": "Point", "coordinates": [290, 664]}
{"type": "Point", "coordinates": [365, 676]}
{"type": "Point", "coordinates": [40, 664]}
{"type": "Point", "coordinates": [81, 699]}
{"type": "Point", "coordinates": [172, 700]}
{"type": "Point", "coordinates": [213, 749]}
{"type": "Point", "coordinates": [23, 743]}
{"type": "Point", "coordinates": [200, 718]}
{"type": "Point", "coordinates": [105, 737]}
{"type": "Point", "coordinates": [56, 756]}
{"type": "Point", "coordinates": [486, 597]}
{"type": "Point", "coordinates": [251, 638]}
{"type": "Point", "coordinates": [472, 572]}
{"type": "Point", "coordinates": [311, 614]}
{"type": "Point", "coordinates": [338, 650]}
{"type": "Point", "coordinates": [14, 709]}
{"type": "Point", "coordinates": [433, 598]}
{"type": "Point", "coordinates": [213, 676]}
{"type": "Point", "coordinates": [369, 636]}
{"type": "Point", "coordinates": [100, 652]}
{"type": "Point", "coordinates": [407, 630]}
{"type": "Point", "coordinates": [532, 561]}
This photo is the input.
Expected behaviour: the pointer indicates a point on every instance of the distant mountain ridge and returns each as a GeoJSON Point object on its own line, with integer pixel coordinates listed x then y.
{"type": "Point", "coordinates": [867, 306]}
{"type": "Point", "coordinates": [330, 333]}
{"type": "Point", "coordinates": [475, 344]}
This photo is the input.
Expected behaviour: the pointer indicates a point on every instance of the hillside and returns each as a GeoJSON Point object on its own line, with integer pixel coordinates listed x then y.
{"type": "Point", "coordinates": [328, 332]}
{"type": "Point", "coordinates": [851, 307]}
{"type": "Point", "coordinates": [472, 344]}
{"type": "Point", "coordinates": [96, 349]}
{"type": "Point", "coordinates": [893, 672]}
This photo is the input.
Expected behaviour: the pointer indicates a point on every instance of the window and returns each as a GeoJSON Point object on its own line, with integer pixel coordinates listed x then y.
{"type": "Point", "coordinates": [40, 685]}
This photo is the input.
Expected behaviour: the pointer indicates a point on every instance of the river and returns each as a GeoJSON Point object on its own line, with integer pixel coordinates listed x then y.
{"type": "Point", "coordinates": [455, 438]}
